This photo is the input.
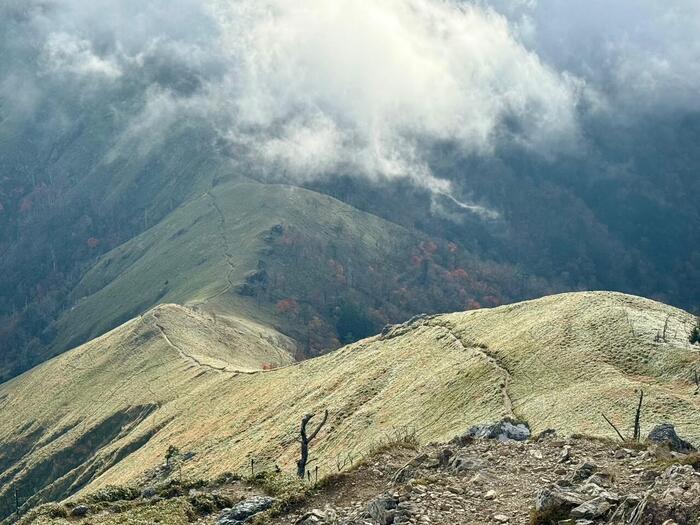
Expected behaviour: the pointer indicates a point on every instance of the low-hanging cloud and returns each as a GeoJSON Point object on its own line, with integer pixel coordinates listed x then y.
{"type": "Point", "coordinates": [640, 55]}
{"type": "Point", "coordinates": [371, 85]}
{"type": "Point", "coordinates": [307, 89]}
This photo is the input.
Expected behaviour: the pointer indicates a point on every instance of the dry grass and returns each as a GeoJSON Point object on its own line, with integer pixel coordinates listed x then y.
{"type": "Point", "coordinates": [556, 362]}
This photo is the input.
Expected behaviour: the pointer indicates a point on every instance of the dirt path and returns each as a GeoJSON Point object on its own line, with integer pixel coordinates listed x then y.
{"type": "Point", "coordinates": [226, 247]}
{"type": "Point", "coordinates": [206, 366]}
{"type": "Point", "coordinates": [189, 357]}
{"type": "Point", "coordinates": [483, 352]}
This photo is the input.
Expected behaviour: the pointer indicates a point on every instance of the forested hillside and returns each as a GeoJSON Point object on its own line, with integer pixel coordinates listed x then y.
{"type": "Point", "coordinates": [110, 130]}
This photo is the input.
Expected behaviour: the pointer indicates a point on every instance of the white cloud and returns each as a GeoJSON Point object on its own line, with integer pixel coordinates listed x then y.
{"type": "Point", "coordinates": [66, 53]}
{"type": "Point", "coordinates": [373, 84]}
{"type": "Point", "coordinates": [307, 88]}
{"type": "Point", "coordinates": [642, 55]}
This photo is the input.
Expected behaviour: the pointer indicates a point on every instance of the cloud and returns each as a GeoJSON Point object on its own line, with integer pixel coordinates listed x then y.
{"type": "Point", "coordinates": [640, 55]}
{"type": "Point", "coordinates": [372, 84]}
{"type": "Point", "coordinates": [308, 89]}
{"type": "Point", "coordinates": [65, 53]}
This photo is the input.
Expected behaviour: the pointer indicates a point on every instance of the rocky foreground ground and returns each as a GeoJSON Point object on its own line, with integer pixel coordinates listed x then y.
{"type": "Point", "coordinates": [482, 478]}
{"type": "Point", "coordinates": [549, 480]}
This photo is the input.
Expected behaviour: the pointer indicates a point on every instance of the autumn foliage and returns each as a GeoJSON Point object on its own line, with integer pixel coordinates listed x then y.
{"type": "Point", "coordinates": [287, 306]}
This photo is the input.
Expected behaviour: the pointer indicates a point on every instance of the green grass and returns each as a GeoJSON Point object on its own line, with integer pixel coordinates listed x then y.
{"type": "Point", "coordinates": [199, 250]}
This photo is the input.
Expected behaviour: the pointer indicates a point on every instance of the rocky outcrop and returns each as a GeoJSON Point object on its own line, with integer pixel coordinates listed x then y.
{"type": "Point", "coordinates": [245, 510]}
{"type": "Point", "coordinates": [317, 517]}
{"type": "Point", "coordinates": [665, 434]}
{"type": "Point", "coordinates": [507, 429]}
{"type": "Point", "coordinates": [674, 498]}
{"type": "Point", "coordinates": [390, 509]}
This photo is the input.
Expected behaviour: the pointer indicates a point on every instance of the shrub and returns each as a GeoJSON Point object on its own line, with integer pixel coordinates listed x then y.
{"type": "Point", "coordinates": [290, 490]}
{"type": "Point", "coordinates": [112, 493]}
{"type": "Point", "coordinates": [695, 333]}
{"type": "Point", "coordinates": [203, 503]}
{"type": "Point", "coordinates": [226, 478]}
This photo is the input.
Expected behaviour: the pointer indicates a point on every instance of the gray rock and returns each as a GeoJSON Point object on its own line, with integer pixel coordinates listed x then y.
{"type": "Point", "coordinates": [314, 516]}
{"type": "Point", "coordinates": [460, 464]}
{"type": "Point", "coordinates": [444, 457]}
{"type": "Point", "coordinates": [565, 454]}
{"type": "Point", "coordinates": [244, 510]}
{"type": "Point", "coordinates": [557, 499]}
{"type": "Point", "coordinates": [665, 434]}
{"type": "Point", "coordinates": [79, 511]}
{"type": "Point", "coordinates": [505, 430]}
{"type": "Point", "coordinates": [592, 509]}
{"type": "Point", "coordinates": [383, 509]}
{"type": "Point", "coordinates": [603, 479]}
{"type": "Point", "coordinates": [584, 471]}
{"type": "Point", "coordinates": [549, 433]}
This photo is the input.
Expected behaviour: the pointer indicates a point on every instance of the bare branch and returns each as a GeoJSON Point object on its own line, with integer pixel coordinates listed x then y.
{"type": "Point", "coordinates": [663, 335]}
{"type": "Point", "coordinates": [320, 425]}
{"type": "Point", "coordinates": [612, 425]}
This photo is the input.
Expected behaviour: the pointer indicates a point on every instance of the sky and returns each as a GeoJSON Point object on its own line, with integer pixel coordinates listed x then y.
{"type": "Point", "coordinates": [308, 89]}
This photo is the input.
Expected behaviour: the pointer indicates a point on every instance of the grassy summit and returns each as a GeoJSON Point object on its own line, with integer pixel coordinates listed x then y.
{"type": "Point", "coordinates": [106, 412]}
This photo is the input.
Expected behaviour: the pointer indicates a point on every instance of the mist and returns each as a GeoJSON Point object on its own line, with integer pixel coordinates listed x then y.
{"type": "Point", "coordinates": [303, 90]}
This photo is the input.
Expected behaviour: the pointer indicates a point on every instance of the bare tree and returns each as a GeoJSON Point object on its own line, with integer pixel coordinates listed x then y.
{"type": "Point", "coordinates": [305, 439]}
{"type": "Point", "coordinates": [637, 433]}
{"type": "Point", "coordinates": [662, 336]}
{"type": "Point", "coordinates": [695, 332]}
{"type": "Point", "coordinates": [637, 418]}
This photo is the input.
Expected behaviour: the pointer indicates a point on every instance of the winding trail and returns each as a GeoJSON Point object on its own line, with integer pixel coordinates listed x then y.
{"type": "Point", "coordinates": [206, 366]}
{"type": "Point", "coordinates": [226, 247]}
{"type": "Point", "coordinates": [189, 357]}
{"type": "Point", "coordinates": [507, 377]}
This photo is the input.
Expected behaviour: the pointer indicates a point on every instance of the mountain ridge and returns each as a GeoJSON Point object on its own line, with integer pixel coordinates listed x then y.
{"type": "Point", "coordinates": [555, 362]}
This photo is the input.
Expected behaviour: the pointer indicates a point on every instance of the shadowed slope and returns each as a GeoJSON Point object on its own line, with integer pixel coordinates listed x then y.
{"type": "Point", "coordinates": [556, 362]}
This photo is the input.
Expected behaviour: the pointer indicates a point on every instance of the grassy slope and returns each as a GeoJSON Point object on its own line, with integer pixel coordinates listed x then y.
{"type": "Point", "coordinates": [557, 362]}
{"type": "Point", "coordinates": [200, 250]}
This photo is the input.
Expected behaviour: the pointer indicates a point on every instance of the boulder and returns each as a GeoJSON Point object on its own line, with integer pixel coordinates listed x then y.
{"type": "Point", "coordinates": [557, 500]}
{"type": "Point", "coordinates": [549, 433]}
{"type": "Point", "coordinates": [243, 511]}
{"type": "Point", "coordinates": [603, 479]}
{"type": "Point", "coordinates": [666, 434]}
{"type": "Point", "coordinates": [504, 430]}
{"type": "Point", "coordinates": [313, 517]}
{"type": "Point", "coordinates": [592, 509]}
{"type": "Point", "coordinates": [388, 509]}
{"type": "Point", "coordinates": [584, 471]}
{"type": "Point", "coordinates": [461, 464]}
{"type": "Point", "coordinates": [383, 509]}
{"type": "Point", "coordinates": [80, 511]}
